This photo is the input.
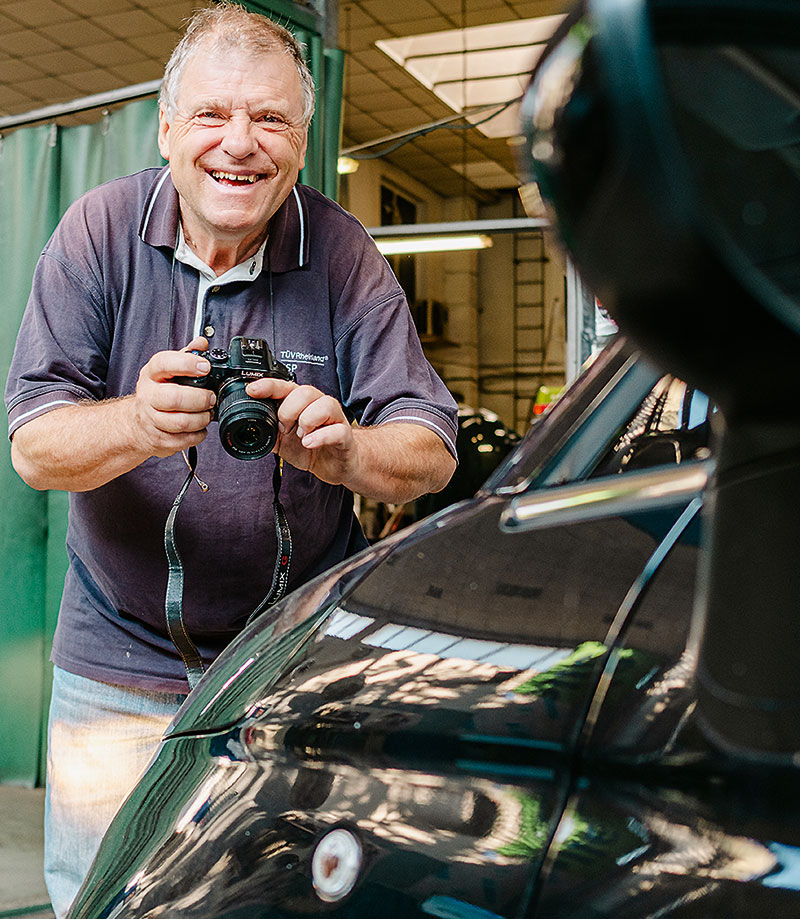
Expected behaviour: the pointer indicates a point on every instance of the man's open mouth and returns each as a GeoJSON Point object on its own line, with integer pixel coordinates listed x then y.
{"type": "Point", "coordinates": [231, 178]}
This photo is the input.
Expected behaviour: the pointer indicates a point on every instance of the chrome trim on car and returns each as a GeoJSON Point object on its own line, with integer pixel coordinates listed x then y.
{"type": "Point", "coordinates": [611, 495]}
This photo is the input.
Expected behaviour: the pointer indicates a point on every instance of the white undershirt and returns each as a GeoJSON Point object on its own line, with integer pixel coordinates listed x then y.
{"type": "Point", "coordinates": [247, 270]}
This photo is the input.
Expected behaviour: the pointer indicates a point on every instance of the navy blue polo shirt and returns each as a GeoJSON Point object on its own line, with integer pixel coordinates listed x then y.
{"type": "Point", "coordinates": [108, 293]}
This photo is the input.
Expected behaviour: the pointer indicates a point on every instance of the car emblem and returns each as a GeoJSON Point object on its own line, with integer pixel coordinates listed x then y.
{"type": "Point", "coordinates": [335, 865]}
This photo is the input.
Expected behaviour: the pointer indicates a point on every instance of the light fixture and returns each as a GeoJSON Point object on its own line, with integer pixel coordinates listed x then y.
{"type": "Point", "coordinates": [414, 244]}
{"type": "Point", "coordinates": [346, 165]}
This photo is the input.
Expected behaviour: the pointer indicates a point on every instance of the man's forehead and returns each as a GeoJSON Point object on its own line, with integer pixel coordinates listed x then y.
{"type": "Point", "coordinates": [222, 53]}
{"type": "Point", "coordinates": [220, 75]}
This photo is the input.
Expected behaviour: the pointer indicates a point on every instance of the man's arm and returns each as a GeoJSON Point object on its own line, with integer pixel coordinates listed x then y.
{"type": "Point", "coordinates": [397, 462]}
{"type": "Point", "coordinates": [83, 446]}
{"type": "Point", "coordinates": [393, 462]}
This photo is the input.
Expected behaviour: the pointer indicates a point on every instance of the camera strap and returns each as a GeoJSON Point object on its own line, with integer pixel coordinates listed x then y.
{"type": "Point", "coordinates": [173, 605]}
{"type": "Point", "coordinates": [283, 537]}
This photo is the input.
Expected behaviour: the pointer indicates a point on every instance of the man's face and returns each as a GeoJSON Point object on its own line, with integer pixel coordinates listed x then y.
{"type": "Point", "coordinates": [235, 143]}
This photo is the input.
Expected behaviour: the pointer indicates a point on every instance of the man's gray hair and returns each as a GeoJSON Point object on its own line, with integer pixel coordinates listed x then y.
{"type": "Point", "coordinates": [227, 26]}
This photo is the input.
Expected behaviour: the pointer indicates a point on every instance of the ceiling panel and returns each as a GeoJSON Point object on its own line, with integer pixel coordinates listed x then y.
{"type": "Point", "coordinates": [448, 146]}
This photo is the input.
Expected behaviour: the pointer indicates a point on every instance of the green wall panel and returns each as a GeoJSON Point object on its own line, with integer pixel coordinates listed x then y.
{"type": "Point", "coordinates": [42, 170]}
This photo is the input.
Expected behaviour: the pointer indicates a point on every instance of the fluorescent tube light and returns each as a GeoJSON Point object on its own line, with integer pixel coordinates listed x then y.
{"type": "Point", "coordinates": [413, 245]}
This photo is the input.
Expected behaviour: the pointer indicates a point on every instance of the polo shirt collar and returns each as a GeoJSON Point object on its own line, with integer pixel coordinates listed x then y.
{"type": "Point", "coordinates": [288, 228]}
{"type": "Point", "coordinates": [289, 238]}
{"type": "Point", "coordinates": [245, 271]}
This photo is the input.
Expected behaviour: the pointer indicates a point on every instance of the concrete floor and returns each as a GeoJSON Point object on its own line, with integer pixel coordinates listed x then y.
{"type": "Point", "coordinates": [22, 890]}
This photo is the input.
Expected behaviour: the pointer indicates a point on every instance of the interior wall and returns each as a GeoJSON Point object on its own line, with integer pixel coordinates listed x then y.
{"type": "Point", "coordinates": [505, 329]}
{"type": "Point", "coordinates": [521, 317]}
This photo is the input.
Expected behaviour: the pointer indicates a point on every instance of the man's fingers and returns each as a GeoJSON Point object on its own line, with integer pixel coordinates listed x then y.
{"type": "Point", "coordinates": [173, 415]}
{"type": "Point", "coordinates": [273, 388]}
{"type": "Point", "coordinates": [175, 397]}
{"type": "Point", "coordinates": [197, 344]}
{"type": "Point", "coordinates": [308, 408]}
{"type": "Point", "coordinates": [167, 364]}
{"type": "Point", "coordinates": [328, 435]}
{"type": "Point", "coordinates": [320, 413]}
{"type": "Point", "coordinates": [317, 420]}
{"type": "Point", "coordinates": [183, 422]}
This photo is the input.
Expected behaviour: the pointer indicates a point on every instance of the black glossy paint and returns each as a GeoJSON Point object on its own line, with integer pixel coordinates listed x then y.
{"type": "Point", "coordinates": [504, 719]}
{"type": "Point", "coordinates": [435, 715]}
{"type": "Point", "coordinates": [710, 847]}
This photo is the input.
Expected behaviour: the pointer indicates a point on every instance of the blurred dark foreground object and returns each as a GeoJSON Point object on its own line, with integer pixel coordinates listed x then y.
{"type": "Point", "coordinates": [665, 140]}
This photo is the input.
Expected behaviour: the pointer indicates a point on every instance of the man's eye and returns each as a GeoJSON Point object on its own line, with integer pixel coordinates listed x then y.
{"type": "Point", "coordinates": [208, 117]}
{"type": "Point", "coordinates": [273, 122]}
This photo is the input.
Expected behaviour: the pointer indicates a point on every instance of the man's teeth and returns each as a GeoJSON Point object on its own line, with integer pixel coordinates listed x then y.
{"type": "Point", "coordinates": [231, 177]}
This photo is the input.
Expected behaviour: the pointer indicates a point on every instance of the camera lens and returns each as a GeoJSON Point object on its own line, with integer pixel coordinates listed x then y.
{"type": "Point", "coordinates": [248, 428]}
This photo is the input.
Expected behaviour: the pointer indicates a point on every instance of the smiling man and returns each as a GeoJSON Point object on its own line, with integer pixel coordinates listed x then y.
{"type": "Point", "coordinates": [235, 135]}
{"type": "Point", "coordinates": [142, 275]}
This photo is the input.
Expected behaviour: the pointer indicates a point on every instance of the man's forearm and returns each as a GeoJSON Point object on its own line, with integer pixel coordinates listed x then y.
{"type": "Point", "coordinates": [78, 447]}
{"type": "Point", "coordinates": [84, 446]}
{"type": "Point", "coordinates": [399, 462]}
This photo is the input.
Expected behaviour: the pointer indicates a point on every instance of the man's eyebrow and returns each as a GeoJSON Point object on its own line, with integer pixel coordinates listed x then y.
{"type": "Point", "coordinates": [210, 103]}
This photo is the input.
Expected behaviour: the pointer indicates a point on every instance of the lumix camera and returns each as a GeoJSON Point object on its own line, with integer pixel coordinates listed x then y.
{"type": "Point", "coordinates": [248, 427]}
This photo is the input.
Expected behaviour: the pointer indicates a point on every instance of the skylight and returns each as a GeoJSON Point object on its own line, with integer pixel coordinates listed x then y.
{"type": "Point", "coordinates": [477, 66]}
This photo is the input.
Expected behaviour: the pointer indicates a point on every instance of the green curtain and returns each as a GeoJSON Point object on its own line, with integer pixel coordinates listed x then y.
{"type": "Point", "coordinates": [29, 166]}
{"type": "Point", "coordinates": [42, 171]}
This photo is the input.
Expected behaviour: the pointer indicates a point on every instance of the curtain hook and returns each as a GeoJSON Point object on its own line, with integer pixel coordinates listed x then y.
{"type": "Point", "coordinates": [106, 122]}
{"type": "Point", "coordinates": [53, 137]}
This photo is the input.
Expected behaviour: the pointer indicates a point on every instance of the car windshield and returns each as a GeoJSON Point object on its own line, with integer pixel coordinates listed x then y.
{"type": "Point", "coordinates": [670, 426]}
{"type": "Point", "coordinates": [620, 414]}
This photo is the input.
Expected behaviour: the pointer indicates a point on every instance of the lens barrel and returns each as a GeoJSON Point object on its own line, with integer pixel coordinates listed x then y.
{"type": "Point", "coordinates": [248, 428]}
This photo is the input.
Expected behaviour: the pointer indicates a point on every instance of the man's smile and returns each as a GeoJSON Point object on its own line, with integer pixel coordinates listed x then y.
{"type": "Point", "coordinates": [232, 178]}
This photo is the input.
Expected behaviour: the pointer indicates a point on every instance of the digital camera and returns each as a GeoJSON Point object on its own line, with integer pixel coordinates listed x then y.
{"type": "Point", "coordinates": [248, 427]}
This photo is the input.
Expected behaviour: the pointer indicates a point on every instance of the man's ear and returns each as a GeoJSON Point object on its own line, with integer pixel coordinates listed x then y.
{"type": "Point", "coordinates": [163, 133]}
{"type": "Point", "coordinates": [303, 150]}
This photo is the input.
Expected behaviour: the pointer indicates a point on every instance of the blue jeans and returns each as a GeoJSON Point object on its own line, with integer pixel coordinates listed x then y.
{"type": "Point", "coordinates": [100, 740]}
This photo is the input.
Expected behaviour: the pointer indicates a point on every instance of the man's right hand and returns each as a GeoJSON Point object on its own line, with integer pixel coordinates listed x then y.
{"type": "Point", "coordinates": [169, 416]}
{"type": "Point", "coordinates": [83, 446]}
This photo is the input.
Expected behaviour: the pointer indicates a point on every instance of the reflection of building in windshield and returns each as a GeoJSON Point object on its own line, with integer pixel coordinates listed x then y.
{"type": "Point", "coordinates": [425, 641]}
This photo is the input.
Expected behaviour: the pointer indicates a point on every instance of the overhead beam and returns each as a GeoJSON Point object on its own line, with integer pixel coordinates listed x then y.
{"type": "Point", "coordinates": [84, 104]}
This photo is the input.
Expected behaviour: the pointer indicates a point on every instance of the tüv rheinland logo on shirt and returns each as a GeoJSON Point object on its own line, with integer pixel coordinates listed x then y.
{"type": "Point", "coordinates": [293, 359]}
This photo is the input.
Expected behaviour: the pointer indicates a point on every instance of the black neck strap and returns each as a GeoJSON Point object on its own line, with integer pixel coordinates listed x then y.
{"type": "Point", "coordinates": [173, 606]}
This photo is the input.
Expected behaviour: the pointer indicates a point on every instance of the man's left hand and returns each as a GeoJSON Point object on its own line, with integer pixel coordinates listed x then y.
{"type": "Point", "coordinates": [314, 433]}
{"type": "Point", "coordinates": [393, 462]}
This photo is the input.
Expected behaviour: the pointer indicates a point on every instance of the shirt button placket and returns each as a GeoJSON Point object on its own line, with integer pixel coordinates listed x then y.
{"type": "Point", "coordinates": [209, 330]}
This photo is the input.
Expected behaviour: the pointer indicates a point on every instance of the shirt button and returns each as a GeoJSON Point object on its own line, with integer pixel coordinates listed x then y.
{"type": "Point", "coordinates": [208, 331]}
{"type": "Point", "coordinates": [215, 289]}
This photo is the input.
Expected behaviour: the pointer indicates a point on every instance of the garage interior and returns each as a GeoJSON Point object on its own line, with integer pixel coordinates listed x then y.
{"type": "Point", "coordinates": [410, 71]}
{"type": "Point", "coordinates": [426, 137]}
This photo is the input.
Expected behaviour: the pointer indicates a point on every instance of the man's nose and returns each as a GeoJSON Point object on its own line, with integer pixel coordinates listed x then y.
{"type": "Point", "coordinates": [239, 139]}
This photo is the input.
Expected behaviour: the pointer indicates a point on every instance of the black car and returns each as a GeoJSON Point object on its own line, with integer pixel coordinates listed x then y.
{"type": "Point", "coordinates": [482, 712]}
